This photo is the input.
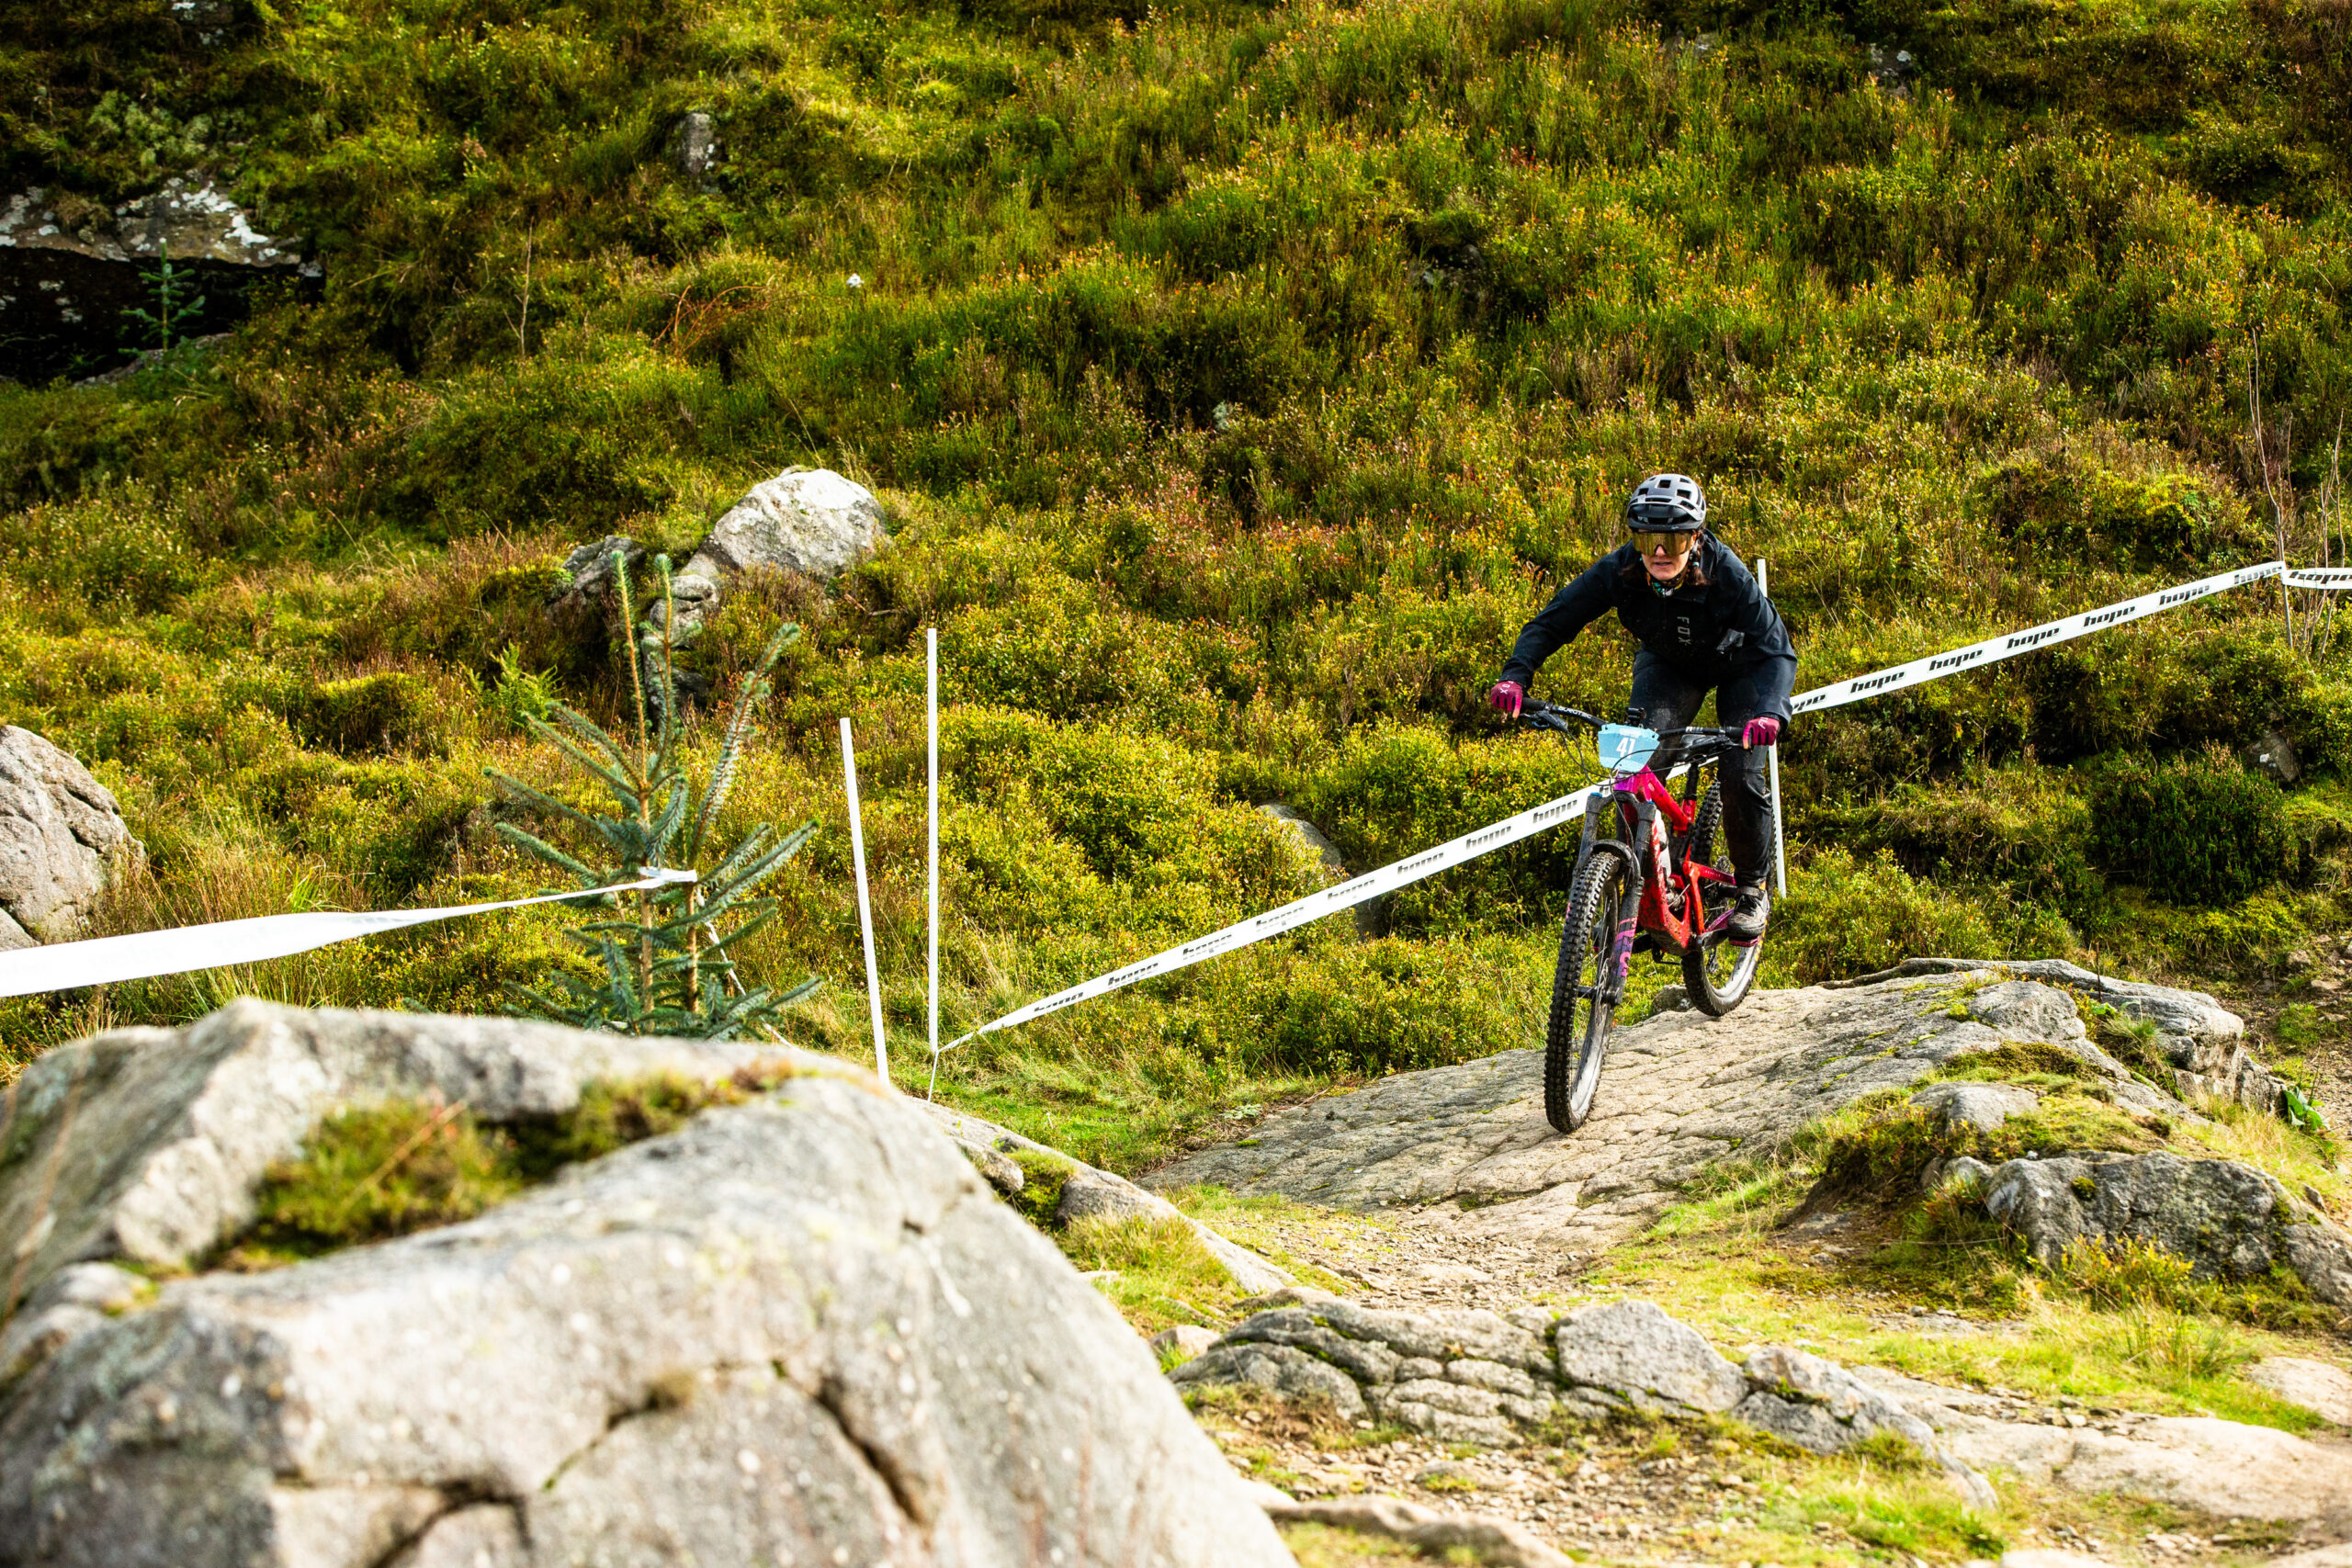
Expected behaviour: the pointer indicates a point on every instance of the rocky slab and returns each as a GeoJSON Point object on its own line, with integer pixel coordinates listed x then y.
{"type": "Point", "coordinates": [798, 1330]}
{"type": "Point", "coordinates": [1681, 1090]}
{"type": "Point", "coordinates": [2224, 1468]}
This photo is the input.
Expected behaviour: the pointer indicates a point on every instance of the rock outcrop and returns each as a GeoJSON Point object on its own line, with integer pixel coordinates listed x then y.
{"type": "Point", "coordinates": [2202, 1039]}
{"type": "Point", "coordinates": [62, 839]}
{"type": "Point", "coordinates": [1483, 1378]}
{"type": "Point", "coordinates": [1470, 1143]}
{"type": "Point", "coordinates": [797, 1330]}
{"type": "Point", "coordinates": [1464, 1376]}
{"type": "Point", "coordinates": [1091, 1193]}
{"type": "Point", "coordinates": [2230, 1221]}
{"type": "Point", "coordinates": [810, 521]}
{"type": "Point", "coordinates": [1630, 1354]}
{"type": "Point", "coordinates": [69, 267]}
{"type": "Point", "coordinates": [693, 147]}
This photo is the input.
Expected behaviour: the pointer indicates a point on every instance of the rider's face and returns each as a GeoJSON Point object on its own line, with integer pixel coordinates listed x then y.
{"type": "Point", "coordinates": [1667, 556]}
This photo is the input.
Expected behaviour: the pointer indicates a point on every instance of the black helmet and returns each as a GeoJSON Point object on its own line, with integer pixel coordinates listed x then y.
{"type": "Point", "coordinates": [1672, 501]}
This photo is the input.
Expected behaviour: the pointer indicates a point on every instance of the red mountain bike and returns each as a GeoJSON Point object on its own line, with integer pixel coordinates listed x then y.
{"type": "Point", "coordinates": [1649, 877]}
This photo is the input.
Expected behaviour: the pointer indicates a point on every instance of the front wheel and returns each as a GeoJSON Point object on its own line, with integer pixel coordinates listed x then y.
{"type": "Point", "coordinates": [1716, 974]}
{"type": "Point", "coordinates": [1583, 993]}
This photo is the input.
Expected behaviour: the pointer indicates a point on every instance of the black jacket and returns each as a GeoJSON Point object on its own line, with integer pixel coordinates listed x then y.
{"type": "Point", "coordinates": [1708, 634]}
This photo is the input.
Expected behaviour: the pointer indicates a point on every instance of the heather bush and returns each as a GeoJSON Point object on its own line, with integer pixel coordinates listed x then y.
{"type": "Point", "coordinates": [1238, 377]}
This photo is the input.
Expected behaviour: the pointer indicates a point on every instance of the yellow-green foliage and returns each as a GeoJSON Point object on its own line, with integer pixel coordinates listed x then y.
{"type": "Point", "coordinates": [1238, 377]}
{"type": "Point", "coordinates": [1877, 1153]}
{"type": "Point", "coordinates": [1164, 1273]}
{"type": "Point", "coordinates": [375, 1171]}
{"type": "Point", "coordinates": [612, 1115]}
{"type": "Point", "coordinates": [1042, 1177]}
{"type": "Point", "coordinates": [371, 1171]}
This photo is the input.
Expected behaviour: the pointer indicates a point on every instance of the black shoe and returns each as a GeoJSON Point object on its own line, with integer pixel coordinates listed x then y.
{"type": "Point", "coordinates": [1749, 915]}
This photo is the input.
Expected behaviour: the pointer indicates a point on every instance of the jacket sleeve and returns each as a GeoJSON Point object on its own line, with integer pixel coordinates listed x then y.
{"type": "Point", "coordinates": [1740, 606]}
{"type": "Point", "coordinates": [1572, 609]}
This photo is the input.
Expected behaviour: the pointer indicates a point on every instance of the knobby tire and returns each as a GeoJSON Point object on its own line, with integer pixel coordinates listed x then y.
{"type": "Point", "coordinates": [1577, 1035]}
{"type": "Point", "coordinates": [1716, 974]}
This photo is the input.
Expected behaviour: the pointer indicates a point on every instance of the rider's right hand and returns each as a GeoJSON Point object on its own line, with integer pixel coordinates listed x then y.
{"type": "Point", "coordinates": [1506, 697]}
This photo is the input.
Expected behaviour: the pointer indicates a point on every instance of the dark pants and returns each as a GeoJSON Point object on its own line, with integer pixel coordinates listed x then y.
{"type": "Point", "coordinates": [1665, 697]}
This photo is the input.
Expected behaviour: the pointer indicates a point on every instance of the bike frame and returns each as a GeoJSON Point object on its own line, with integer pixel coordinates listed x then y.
{"type": "Point", "coordinates": [1657, 823]}
{"type": "Point", "coordinates": [1654, 825]}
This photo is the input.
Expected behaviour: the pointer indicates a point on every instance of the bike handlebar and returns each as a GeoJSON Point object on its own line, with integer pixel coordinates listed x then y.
{"type": "Point", "coordinates": [1535, 714]}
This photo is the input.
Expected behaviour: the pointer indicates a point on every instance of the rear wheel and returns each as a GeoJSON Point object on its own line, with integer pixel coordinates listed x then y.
{"type": "Point", "coordinates": [1716, 974]}
{"type": "Point", "coordinates": [1582, 1007]}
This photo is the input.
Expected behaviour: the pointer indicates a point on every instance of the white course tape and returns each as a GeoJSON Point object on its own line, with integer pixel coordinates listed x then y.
{"type": "Point", "coordinates": [1314, 907]}
{"type": "Point", "coordinates": [1486, 841]}
{"type": "Point", "coordinates": [144, 955]}
{"type": "Point", "coordinates": [1936, 665]}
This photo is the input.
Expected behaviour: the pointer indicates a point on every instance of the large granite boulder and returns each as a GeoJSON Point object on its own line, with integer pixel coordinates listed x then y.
{"type": "Point", "coordinates": [71, 267]}
{"type": "Point", "coordinates": [797, 1330]}
{"type": "Point", "coordinates": [62, 839]}
{"type": "Point", "coordinates": [810, 522]}
{"type": "Point", "coordinates": [2230, 1221]}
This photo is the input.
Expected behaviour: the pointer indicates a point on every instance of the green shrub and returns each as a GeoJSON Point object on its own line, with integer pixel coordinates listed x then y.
{"type": "Point", "coordinates": [2196, 832]}
{"type": "Point", "coordinates": [1846, 915]}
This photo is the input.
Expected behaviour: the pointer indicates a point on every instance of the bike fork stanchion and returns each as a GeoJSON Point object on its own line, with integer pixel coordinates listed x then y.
{"type": "Point", "coordinates": [1772, 765]}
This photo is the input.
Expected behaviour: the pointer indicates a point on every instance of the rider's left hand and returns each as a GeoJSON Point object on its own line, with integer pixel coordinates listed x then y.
{"type": "Point", "coordinates": [1762, 731]}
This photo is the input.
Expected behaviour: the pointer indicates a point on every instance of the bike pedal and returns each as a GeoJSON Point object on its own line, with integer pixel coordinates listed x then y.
{"type": "Point", "coordinates": [1735, 942]}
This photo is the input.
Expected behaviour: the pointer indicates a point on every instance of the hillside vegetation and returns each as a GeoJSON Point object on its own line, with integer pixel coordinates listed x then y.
{"type": "Point", "coordinates": [1239, 377]}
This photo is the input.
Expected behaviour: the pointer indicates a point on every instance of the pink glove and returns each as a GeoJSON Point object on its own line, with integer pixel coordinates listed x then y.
{"type": "Point", "coordinates": [1760, 732]}
{"type": "Point", "coordinates": [1507, 697]}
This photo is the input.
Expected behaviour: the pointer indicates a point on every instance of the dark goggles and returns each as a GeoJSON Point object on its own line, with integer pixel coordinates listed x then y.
{"type": "Point", "coordinates": [1655, 530]}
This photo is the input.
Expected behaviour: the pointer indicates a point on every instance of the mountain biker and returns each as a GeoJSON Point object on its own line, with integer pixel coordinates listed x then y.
{"type": "Point", "coordinates": [1703, 624]}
